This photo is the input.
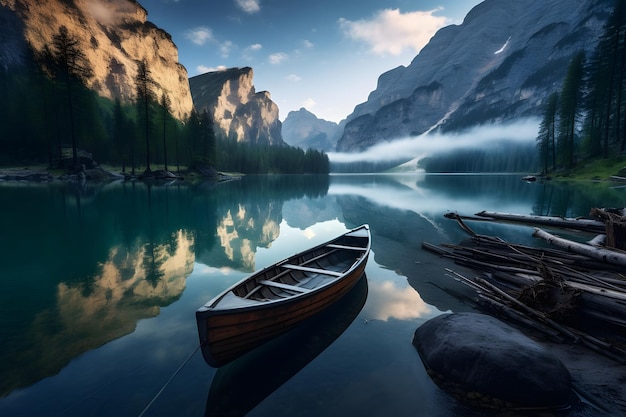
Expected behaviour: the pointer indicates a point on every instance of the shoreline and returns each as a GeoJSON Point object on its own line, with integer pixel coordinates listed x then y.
{"type": "Point", "coordinates": [41, 174]}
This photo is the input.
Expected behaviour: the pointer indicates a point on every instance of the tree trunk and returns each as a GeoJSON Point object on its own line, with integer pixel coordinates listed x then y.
{"type": "Point", "coordinates": [612, 257]}
{"type": "Point", "coordinates": [578, 224]}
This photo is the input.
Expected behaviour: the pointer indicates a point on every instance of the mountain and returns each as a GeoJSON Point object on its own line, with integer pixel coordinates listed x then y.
{"type": "Point", "coordinates": [239, 113]}
{"type": "Point", "coordinates": [114, 36]}
{"type": "Point", "coordinates": [303, 129]}
{"type": "Point", "coordinates": [500, 64]}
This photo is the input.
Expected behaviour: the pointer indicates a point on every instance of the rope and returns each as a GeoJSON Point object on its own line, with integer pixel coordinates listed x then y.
{"type": "Point", "coordinates": [182, 365]}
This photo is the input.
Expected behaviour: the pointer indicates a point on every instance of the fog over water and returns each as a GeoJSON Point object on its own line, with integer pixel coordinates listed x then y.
{"type": "Point", "coordinates": [428, 144]}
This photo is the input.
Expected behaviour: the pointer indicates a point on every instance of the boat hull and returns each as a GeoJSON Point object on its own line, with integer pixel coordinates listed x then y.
{"type": "Point", "coordinates": [239, 386]}
{"type": "Point", "coordinates": [226, 334]}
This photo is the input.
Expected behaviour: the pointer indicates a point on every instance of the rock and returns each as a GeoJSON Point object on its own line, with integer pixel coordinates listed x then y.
{"type": "Point", "coordinates": [113, 35]}
{"type": "Point", "coordinates": [101, 174]}
{"type": "Point", "coordinates": [238, 111]}
{"type": "Point", "coordinates": [25, 175]}
{"type": "Point", "coordinates": [491, 363]}
{"type": "Point", "coordinates": [160, 174]}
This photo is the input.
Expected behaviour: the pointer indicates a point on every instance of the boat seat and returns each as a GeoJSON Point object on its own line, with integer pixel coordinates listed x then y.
{"type": "Point", "coordinates": [314, 270]}
{"type": "Point", "coordinates": [283, 286]}
{"type": "Point", "coordinates": [332, 245]}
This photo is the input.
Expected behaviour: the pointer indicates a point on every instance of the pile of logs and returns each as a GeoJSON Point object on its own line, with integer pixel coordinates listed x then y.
{"type": "Point", "coordinates": [553, 289]}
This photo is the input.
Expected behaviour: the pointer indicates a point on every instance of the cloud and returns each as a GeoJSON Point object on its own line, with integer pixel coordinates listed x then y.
{"type": "Point", "coordinates": [200, 35]}
{"type": "Point", "coordinates": [111, 13]}
{"type": "Point", "coordinates": [225, 48]}
{"type": "Point", "coordinates": [254, 47]}
{"type": "Point", "coordinates": [522, 131]}
{"type": "Point", "coordinates": [309, 103]}
{"type": "Point", "coordinates": [391, 32]}
{"type": "Point", "coordinates": [393, 301]}
{"type": "Point", "coordinates": [249, 51]}
{"type": "Point", "coordinates": [307, 43]}
{"type": "Point", "coordinates": [249, 6]}
{"type": "Point", "coordinates": [203, 68]}
{"type": "Point", "coordinates": [277, 58]}
{"type": "Point", "coordinates": [294, 78]}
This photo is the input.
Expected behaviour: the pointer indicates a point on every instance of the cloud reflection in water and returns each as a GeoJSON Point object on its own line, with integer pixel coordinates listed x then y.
{"type": "Point", "coordinates": [388, 300]}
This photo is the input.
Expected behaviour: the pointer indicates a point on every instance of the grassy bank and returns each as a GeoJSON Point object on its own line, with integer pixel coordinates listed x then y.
{"type": "Point", "coordinates": [598, 169]}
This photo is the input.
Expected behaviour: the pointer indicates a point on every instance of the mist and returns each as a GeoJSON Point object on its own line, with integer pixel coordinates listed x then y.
{"type": "Point", "coordinates": [521, 132]}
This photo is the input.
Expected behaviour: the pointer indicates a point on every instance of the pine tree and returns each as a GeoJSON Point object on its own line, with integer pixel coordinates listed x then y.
{"type": "Point", "coordinates": [606, 116]}
{"type": "Point", "coordinates": [165, 113]}
{"type": "Point", "coordinates": [546, 141]}
{"type": "Point", "coordinates": [208, 136]}
{"type": "Point", "coordinates": [145, 97]}
{"type": "Point", "coordinates": [67, 63]}
{"type": "Point", "coordinates": [569, 109]}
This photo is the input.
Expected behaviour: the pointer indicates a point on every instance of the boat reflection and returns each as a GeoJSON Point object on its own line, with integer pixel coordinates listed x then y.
{"type": "Point", "coordinates": [241, 385]}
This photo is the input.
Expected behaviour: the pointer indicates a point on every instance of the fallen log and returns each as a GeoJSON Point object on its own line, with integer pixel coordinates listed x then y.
{"type": "Point", "coordinates": [609, 256]}
{"type": "Point", "coordinates": [587, 225]}
{"type": "Point", "coordinates": [603, 292]}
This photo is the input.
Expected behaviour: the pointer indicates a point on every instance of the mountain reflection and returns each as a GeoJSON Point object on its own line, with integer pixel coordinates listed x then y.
{"type": "Point", "coordinates": [240, 235]}
{"type": "Point", "coordinates": [105, 307]}
{"type": "Point", "coordinates": [81, 265]}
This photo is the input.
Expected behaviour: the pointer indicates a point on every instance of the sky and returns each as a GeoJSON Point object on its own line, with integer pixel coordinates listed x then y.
{"type": "Point", "coordinates": [323, 55]}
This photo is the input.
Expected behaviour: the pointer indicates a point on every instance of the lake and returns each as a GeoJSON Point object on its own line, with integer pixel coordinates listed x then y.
{"type": "Point", "coordinates": [99, 285]}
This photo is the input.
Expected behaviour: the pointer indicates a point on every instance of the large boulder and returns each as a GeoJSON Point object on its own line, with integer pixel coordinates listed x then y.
{"type": "Point", "coordinates": [489, 363]}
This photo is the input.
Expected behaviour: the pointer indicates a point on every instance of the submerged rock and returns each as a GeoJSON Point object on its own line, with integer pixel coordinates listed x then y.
{"type": "Point", "coordinates": [491, 364]}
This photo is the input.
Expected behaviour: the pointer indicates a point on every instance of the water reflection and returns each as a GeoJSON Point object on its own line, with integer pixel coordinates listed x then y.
{"type": "Point", "coordinates": [399, 302]}
{"type": "Point", "coordinates": [81, 265]}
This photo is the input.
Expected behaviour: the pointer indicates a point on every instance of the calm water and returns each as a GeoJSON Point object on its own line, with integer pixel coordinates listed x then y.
{"type": "Point", "coordinates": [99, 285]}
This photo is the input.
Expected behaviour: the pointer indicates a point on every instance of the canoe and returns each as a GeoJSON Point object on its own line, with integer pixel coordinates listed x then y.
{"type": "Point", "coordinates": [273, 300]}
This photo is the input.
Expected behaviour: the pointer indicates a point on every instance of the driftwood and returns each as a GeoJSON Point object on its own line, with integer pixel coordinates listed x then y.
{"type": "Point", "coordinates": [609, 256]}
{"type": "Point", "coordinates": [546, 288]}
{"type": "Point", "coordinates": [498, 300]}
{"type": "Point", "coordinates": [588, 225]}
{"type": "Point", "coordinates": [615, 226]}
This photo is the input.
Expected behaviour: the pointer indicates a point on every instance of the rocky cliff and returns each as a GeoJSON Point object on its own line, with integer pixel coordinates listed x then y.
{"type": "Point", "coordinates": [238, 111]}
{"type": "Point", "coordinates": [114, 35]}
{"type": "Point", "coordinates": [303, 129]}
{"type": "Point", "coordinates": [498, 65]}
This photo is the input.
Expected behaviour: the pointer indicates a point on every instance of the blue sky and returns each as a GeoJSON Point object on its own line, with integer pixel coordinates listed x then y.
{"type": "Point", "coordinates": [325, 55]}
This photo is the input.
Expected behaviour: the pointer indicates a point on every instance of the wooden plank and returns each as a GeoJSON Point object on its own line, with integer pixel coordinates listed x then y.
{"type": "Point", "coordinates": [314, 270]}
{"type": "Point", "coordinates": [284, 286]}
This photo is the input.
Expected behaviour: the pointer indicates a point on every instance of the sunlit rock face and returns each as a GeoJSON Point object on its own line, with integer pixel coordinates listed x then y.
{"type": "Point", "coordinates": [114, 35]}
{"type": "Point", "coordinates": [238, 111]}
{"type": "Point", "coordinates": [500, 64]}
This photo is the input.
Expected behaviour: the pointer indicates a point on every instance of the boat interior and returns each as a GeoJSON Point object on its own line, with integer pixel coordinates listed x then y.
{"type": "Point", "coordinates": [301, 274]}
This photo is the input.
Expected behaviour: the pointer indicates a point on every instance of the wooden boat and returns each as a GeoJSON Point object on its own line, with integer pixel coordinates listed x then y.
{"type": "Point", "coordinates": [273, 300]}
{"type": "Point", "coordinates": [239, 386]}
